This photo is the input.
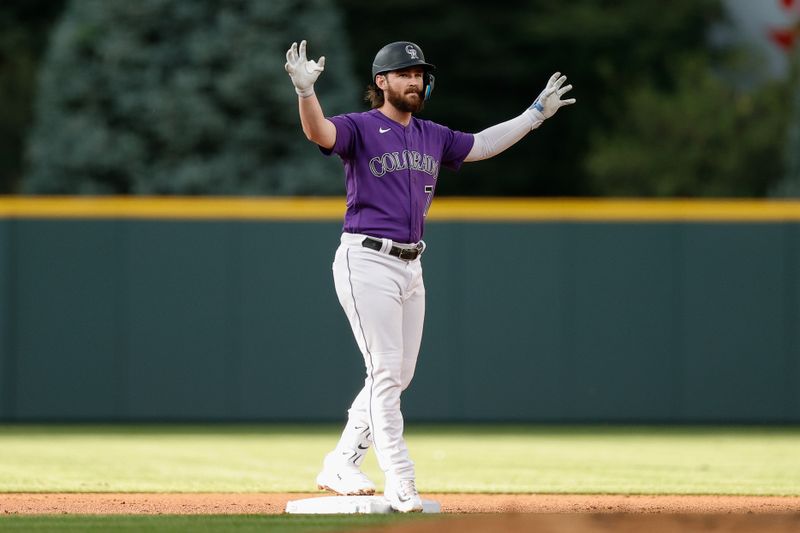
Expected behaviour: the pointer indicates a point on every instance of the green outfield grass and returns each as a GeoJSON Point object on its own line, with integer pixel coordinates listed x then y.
{"type": "Point", "coordinates": [203, 523]}
{"type": "Point", "coordinates": [527, 459]}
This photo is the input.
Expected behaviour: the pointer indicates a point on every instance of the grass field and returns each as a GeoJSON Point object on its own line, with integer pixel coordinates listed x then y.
{"type": "Point", "coordinates": [215, 523]}
{"type": "Point", "coordinates": [507, 459]}
{"type": "Point", "coordinates": [284, 458]}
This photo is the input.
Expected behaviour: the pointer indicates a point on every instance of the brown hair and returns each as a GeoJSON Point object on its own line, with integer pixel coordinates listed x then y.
{"type": "Point", "coordinates": [374, 96]}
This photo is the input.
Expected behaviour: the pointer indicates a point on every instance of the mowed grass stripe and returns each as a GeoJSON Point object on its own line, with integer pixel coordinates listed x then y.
{"type": "Point", "coordinates": [208, 523]}
{"type": "Point", "coordinates": [501, 459]}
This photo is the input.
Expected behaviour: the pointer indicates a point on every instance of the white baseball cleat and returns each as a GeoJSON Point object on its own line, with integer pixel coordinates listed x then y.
{"type": "Point", "coordinates": [402, 495]}
{"type": "Point", "coordinates": [345, 480]}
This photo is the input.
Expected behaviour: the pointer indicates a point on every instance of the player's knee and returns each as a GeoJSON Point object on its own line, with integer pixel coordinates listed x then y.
{"type": "Point", "coordinates": [387, 385]}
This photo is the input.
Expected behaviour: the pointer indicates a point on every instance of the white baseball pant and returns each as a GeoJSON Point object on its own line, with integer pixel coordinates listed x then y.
{"type": "Point", "coordinates": [384, 299]}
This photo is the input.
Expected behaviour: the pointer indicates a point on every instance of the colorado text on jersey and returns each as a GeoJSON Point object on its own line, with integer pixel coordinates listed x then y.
{"type": "Point", "coordinates": [393, 161]}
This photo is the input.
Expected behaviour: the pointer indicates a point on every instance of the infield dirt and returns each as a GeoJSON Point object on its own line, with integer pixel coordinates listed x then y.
{"type": "Point", "coordinates": [466, 513]}
{"type": "Point", "coordinates": [273, 503]}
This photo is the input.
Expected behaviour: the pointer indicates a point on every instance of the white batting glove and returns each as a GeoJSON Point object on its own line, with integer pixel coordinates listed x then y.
{"type": "Point", "coordinates": [302, 71]}
{"type": "Point", "coordinates": [549, 101]}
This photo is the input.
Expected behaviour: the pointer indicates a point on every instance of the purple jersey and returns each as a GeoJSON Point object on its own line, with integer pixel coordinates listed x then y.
{"type": "Point", "coordinates": [391, 171]}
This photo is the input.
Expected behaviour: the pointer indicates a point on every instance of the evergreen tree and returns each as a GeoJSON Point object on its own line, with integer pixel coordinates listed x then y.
{"type": "Point", "coordinates": [24, 26]}
{"type": "Point", "coordinates": [789, 185]}
{"type": "Point", "coordinates": [703, 137]}
{"type": "Point", "coordinates": [183, 97]}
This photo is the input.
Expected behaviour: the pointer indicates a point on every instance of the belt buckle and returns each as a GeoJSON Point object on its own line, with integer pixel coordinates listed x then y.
{"type": "Point", "coordinates": [407, 254]}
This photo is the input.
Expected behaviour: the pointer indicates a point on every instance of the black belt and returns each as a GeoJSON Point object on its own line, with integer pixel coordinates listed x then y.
{"type": "Point", "coordinates": [407, 254]}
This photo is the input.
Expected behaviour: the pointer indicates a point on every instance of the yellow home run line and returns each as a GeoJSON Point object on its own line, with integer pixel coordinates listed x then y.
{"type": "Point", "coordinates": [443, 209]}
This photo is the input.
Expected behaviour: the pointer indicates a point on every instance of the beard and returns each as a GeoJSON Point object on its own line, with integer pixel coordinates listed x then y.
{"type": "Point", "coordinates": [409, 102]}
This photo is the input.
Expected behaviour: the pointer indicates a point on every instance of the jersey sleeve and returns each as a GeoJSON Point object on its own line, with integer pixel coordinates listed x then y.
{"type": "Point", "coordinates": [346, 129]}
{"type": "Point", "coordinates": [455, 148]}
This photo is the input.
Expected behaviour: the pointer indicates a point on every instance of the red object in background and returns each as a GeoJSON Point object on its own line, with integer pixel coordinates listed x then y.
{"type": "Point", "coordinates": [786, 37]}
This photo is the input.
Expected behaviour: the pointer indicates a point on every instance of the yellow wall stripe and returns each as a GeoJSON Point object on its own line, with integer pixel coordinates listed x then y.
{"type": "Point", "coordinates": [615, 210]}
{"type": "Point", "coordinates": [443, 209]}
{"type": "Point", "coordinates": [189, 208]}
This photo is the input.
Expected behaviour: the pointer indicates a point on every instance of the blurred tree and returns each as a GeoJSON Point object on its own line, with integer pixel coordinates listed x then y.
{"type": "Point", "coordinates": [177, 97]}
{"type": "Point", "coordinates": [24, 26]}
{"type": "Point", "coordinates": [494, 60]}
{"type": "Point", "coordinates": [789, 185]}
{"type": "Point", "coordinates": [703, 137]}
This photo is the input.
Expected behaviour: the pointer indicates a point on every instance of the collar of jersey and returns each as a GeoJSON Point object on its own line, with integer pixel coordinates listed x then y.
{"type": "Point", "coordinates": [390, 121]}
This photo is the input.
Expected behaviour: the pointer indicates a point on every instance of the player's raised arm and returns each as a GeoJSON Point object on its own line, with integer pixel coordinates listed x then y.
{"type": "Point", "coordinates": [496, 139]}
{"type": "Point", "coordinates": [304, 73]}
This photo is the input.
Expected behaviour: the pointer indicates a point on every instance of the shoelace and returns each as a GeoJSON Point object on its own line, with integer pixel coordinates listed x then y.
{"type": "Point", "coordinates": [408, 488]}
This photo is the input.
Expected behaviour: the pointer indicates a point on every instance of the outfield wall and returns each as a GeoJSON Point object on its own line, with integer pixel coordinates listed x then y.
{"type": "Point", "coordinates": [551, 311]}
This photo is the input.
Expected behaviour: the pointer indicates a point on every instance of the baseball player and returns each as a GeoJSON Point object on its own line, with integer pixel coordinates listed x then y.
{"type": "Point", "coordinates": [391, 161]}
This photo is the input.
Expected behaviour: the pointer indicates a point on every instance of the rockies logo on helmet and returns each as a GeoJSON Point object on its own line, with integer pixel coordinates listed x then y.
{"type": "Point", "coordinates": [411, 51]}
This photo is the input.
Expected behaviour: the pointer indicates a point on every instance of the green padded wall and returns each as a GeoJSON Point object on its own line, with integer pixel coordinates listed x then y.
{"type": "Point", "coordinates": [143, 319]}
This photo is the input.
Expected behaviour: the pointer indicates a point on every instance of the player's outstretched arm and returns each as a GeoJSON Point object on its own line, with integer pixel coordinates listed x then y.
{"type": "Point", "coordinates": [304, 74]}
{"type": "Point", "coordinates": [496, 139]}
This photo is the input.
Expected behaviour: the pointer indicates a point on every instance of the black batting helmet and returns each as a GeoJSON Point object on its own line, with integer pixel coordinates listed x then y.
{"type": "Point", "coordinates": [400, 55]}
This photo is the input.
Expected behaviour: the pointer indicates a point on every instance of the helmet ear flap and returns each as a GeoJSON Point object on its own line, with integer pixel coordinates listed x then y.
{"type": "Point", "coordinates": [429, 82]}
